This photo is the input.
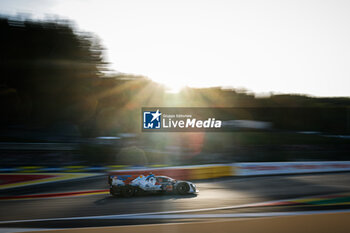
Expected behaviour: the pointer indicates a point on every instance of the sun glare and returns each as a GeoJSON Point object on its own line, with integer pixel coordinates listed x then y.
{"type": "Point", "coordinates": [280, 48]}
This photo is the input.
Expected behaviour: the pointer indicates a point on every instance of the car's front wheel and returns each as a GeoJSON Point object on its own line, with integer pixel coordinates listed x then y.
{"type": "Point", "coordinates": [183, 188]}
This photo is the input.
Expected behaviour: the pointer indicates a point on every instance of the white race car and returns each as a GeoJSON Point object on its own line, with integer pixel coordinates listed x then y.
{"type": "Point", "coordinates": [129, 185]}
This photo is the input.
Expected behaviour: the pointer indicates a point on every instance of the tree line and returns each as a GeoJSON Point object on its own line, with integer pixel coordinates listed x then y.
{"type": "Point", "coordinates": [51, 73]}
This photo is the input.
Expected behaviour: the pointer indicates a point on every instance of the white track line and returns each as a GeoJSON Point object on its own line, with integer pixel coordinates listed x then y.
{"type": "Point", "coordinates": [142, 214]}
{"type": "Point", "coordinates": [170, 213]}
{"type": "Point", "coordinates": [236, 215]}
{"type": "Point", "coordinates": [181, 216]}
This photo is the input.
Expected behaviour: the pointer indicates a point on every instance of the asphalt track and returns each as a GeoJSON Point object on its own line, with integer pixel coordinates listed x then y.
{"type": "Point", "coordinates": [217, 198]}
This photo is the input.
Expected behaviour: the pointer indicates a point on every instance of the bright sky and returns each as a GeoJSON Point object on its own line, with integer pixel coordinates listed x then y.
{"type": "Point", "coordinates": [283, 46]}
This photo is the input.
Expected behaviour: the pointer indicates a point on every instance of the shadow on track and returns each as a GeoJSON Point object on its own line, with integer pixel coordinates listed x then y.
{"type": "Point", "coordinates": [146, 196]}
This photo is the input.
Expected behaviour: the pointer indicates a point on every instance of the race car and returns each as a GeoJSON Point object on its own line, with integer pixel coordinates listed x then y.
{"type": "Point", "coordinates": [129, 185]}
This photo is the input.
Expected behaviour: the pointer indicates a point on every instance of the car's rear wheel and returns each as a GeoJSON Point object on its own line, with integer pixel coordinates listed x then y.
{"type": "Point", "coordinates": [114, 192]}
{"type": "Point", "coordinates": [183, 188]}
{"type": "Point", "coordinates": [128, 191]}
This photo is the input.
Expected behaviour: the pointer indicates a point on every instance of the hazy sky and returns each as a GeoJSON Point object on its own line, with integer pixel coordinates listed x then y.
{"type": "Point", "coordinates": [295, 46]}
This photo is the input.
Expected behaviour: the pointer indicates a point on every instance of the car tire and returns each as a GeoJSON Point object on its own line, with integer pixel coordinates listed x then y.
{"type": "Point", "coordinates": [128, 191]}
{"type": "Point", "coordinates": [183, 188]}
{"type": "Point", "coordinates": [113, 192]}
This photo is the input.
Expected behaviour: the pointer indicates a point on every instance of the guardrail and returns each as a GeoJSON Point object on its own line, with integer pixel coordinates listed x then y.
{"type": "Point", "coordinates": [275, 168]}
{"type": "Point", "coordinates": [198, 172]}
{"type": "Point", "coordinates": [69, 169]}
